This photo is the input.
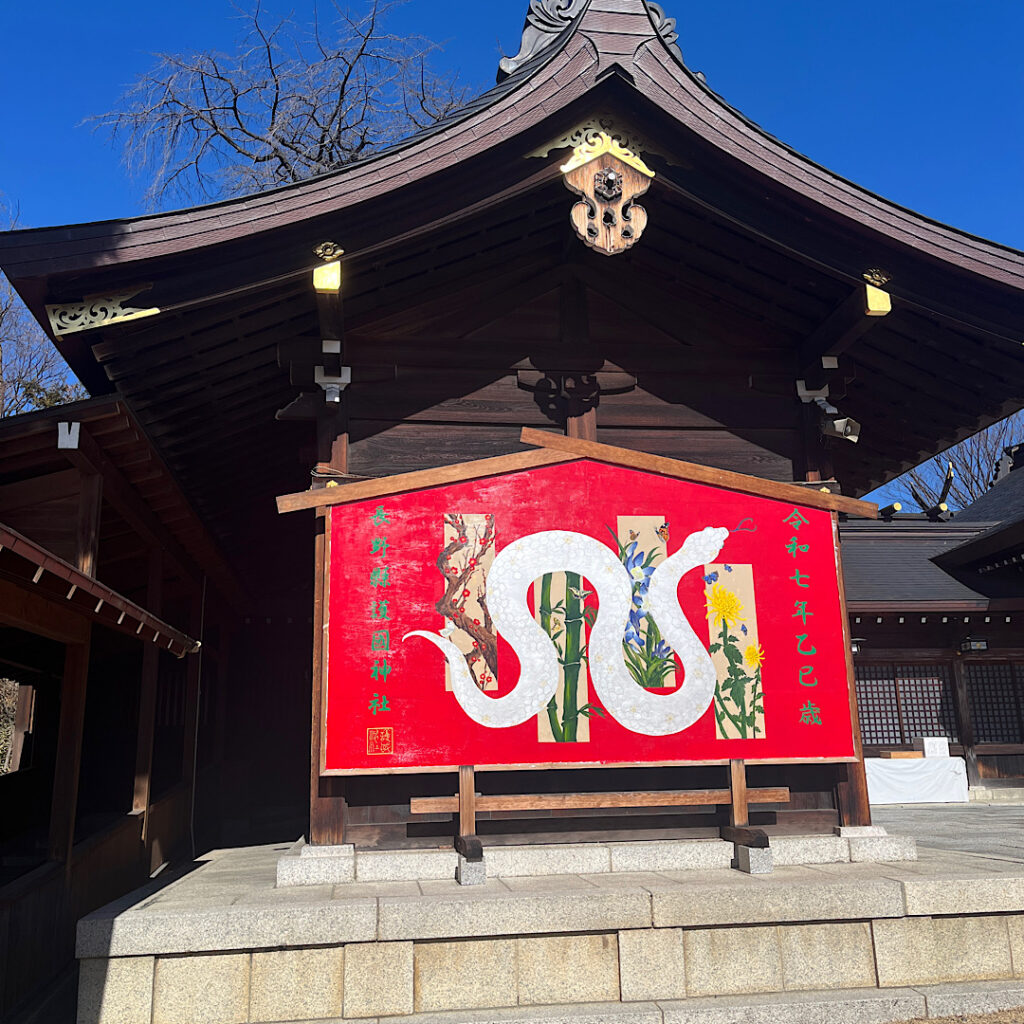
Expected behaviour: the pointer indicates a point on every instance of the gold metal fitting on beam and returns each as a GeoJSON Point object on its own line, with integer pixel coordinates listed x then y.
{"type": "Point", "coordinates": [876, 302]}
{"type": "Point", "coordinates": [327, 277]}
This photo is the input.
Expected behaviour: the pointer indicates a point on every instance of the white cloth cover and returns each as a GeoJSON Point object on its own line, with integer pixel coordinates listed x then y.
{"type": "Point", "coordinates": [923, 780]}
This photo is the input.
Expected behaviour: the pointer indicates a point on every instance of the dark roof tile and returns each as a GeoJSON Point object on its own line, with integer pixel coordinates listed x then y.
{"type": "Point", "coordinates": [892, 561]}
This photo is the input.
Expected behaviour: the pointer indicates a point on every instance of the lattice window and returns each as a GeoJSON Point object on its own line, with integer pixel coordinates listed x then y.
{"type": "Point", "coordinates": [898, 703]}
{"type": "Point", "coordinates": [926, 701]}
{"type": "Point", "coordinates": [995, 693]}
{"type": "Point", "coordinates": [877, 705]}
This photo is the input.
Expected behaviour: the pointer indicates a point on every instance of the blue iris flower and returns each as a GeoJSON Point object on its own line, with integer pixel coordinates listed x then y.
{"type": "Point", "coordinates": [634, 561]}
{"type": "Point", "coordinates": [712, 577]}
{"type": "Point", "coordinates": [662, 650]}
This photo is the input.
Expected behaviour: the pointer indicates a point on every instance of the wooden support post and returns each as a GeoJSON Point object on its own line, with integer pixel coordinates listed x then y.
{"type": "Point", "coordinates": [467, 800]}
{"type": "Point", "coordinates": [69, 752]}
{"type": "Point", "coordinates": [852, 791]}
{"type": "Point", "coordinates": [87, 538]}
{"type": "Point", "coordinates": [583, 425]}
{"type": "Point", "coordinates": [193, 679]}
{"type": "Point", "coordinates": [814, 460]}
{"type": "Point", "coordinates": [332, 442]}
{"type": "Point", "coordinates": [147, 700]}
{"type": "Point", "coordinates": [326, 795]}
{"type": "Point", "coordinates": [965, 720]}
{"type": "Point", "coordinates": [739, 816]}
{"type": "Point", "coordinates": [574, 329]}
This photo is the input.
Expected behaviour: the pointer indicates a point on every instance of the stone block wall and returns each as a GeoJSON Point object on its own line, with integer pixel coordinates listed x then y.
{"type": "Point", "coordinates": [630, 964]}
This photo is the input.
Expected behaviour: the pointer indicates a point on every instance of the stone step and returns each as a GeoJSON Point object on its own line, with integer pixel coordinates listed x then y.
{"type": "Point", "coordinates": [997, 795]}
{"type": "Point", "coordinates": [849, 1006]}
{"type": "Point", "coordinates": [337, 865]}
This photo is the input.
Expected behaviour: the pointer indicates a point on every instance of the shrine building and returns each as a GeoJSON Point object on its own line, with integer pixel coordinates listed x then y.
{"type": "Point", "coordinates": [597, 289]}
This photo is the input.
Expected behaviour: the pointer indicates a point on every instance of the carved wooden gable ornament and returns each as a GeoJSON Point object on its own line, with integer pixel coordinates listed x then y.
{"type": "Point", "coordinates": [609, 178]}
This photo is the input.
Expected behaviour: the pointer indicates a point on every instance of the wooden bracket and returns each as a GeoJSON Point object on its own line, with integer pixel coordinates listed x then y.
{"type": "Point", "coordinates": [853, 318]}
{"type": "Point", "coordinates": [470, 847]}
{"type": "Point", "coordinates": [756, 838]}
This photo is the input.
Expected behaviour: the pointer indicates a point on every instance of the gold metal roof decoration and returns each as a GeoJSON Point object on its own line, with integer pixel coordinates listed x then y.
{"type": "Point", "coordinates": [877, 277]}
{"type": "Point", "coordinates": [328, 251]}
{"type": "Point", "coordinates": [608, 177]}
{"type": "Point", "coordinates": [591, 128]}
{"type": "Point", "coordinates": [96, 311]}
{"type": "Point", "coordinates": [593, 148]}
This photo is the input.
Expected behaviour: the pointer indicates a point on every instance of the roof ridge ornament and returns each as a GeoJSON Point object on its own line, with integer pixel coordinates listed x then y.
{"type": "Point", "coordinates": [665, 27]}
{"type": "Point", "coordinates": [545, 20]}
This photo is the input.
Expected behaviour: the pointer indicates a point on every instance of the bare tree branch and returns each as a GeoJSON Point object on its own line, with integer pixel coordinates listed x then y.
{"type": "Point", "coordinates": [33, 374]}
{"type": "Point", "coordinates": [974, 460]}
{"type": "Point", "coordinates": [291, 102]}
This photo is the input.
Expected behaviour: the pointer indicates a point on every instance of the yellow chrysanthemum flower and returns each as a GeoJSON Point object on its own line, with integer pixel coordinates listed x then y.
{"type": "Point", "coordinates": [723, 604]}
{"type": "Point", "coordinates": [754, 655]}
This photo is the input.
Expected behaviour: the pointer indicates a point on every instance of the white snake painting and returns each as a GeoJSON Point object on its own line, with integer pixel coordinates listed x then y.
{"type": "Point", "coordinates": [517, 566]}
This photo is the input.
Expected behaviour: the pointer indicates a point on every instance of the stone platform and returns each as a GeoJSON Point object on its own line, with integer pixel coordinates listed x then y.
{"type": "Point", "coordinates": [810, 943]}
{"type": "Point", "coordinates": [311, 865]}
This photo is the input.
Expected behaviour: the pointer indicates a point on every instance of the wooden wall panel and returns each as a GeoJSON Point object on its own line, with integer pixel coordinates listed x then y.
{"type": "Point", "coordinates": [380, 448]}
{"type": "Point", "coordinates": [765, 453]}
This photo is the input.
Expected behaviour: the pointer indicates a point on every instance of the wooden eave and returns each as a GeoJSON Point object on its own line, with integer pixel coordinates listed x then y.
{"type": "Point", "coordinates": [610, 37]}
{"type": "Point", "coordinates": [232, 278]}
{"type": "Point", "coordinates": [28, 452]}
{"type": "Point", "coordinates": [995, 548]}
{"type": "Point", "coordinates": [40, 572]}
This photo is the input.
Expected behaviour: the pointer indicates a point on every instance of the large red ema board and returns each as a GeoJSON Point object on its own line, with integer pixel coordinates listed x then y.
{"type": "Point", "coordinates": [582, 614]}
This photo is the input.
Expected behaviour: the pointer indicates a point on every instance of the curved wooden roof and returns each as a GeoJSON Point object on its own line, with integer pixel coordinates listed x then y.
{"type": "Point", "coordinates": [750, 248]}
{"type": "Point", "coordinates": [606, 35]}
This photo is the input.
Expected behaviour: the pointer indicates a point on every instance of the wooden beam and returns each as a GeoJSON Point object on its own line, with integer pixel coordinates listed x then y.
{"type": "Point", "coordinates": [66, 587]}
{"type": "Point", "coordinates": [698, 474]}
{"type": "Point", "coordinates": [347, 493]}
{"type": "Point", "coordinates": [739, 816]}
{"type": "Point", "coordinates": [851, 320]}
{"type": "Point", "coordinates": [87, 533]}
{"type": "Point", "coordinates": [584, 801]}
{"type": "Point", "coordinates": [64, 803]}
{"type": "Point", "coordinates": [35, 614]}
{"type": "Point", "coordinates": [142, 797]}
{"type": "Point", "coordinates": [122, 496]}
{"type": "Point", "coordinates": [38, 490]}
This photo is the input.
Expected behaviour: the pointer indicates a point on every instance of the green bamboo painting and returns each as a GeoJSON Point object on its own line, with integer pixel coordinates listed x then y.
{"type": "Point", "coordinates": [565, 622]}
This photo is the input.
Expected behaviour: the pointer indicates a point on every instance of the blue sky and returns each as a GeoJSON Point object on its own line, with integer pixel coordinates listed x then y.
{"type": "Point", "coordinates": [922, 102]}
